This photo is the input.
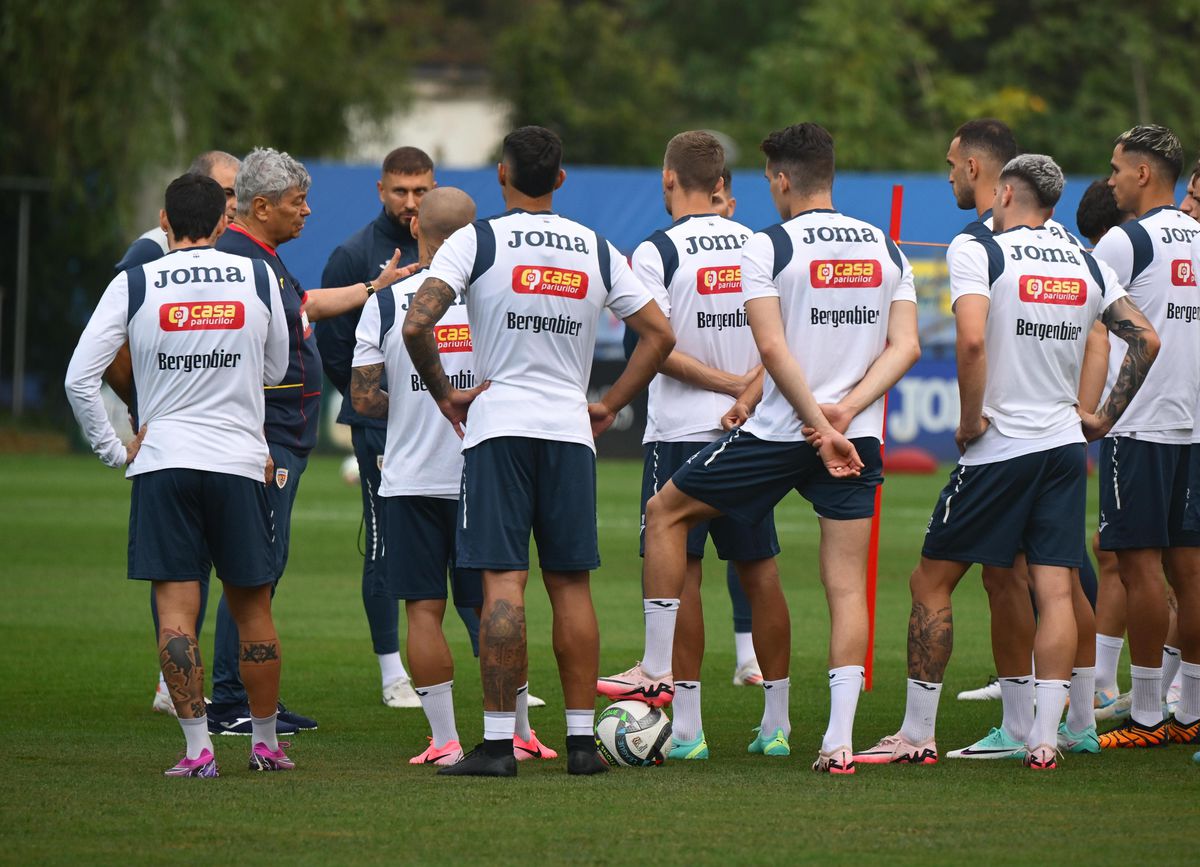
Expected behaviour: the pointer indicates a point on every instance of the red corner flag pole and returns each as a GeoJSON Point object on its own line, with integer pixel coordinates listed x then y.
{"type": "Point", "coordinates": [873, 549]}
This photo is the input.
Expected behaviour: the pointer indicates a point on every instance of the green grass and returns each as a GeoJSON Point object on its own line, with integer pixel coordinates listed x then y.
{"type": "Point", "coordinates": [81, 752]}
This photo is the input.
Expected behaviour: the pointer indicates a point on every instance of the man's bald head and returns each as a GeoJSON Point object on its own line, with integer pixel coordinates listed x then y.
{"type": "Point", "coordinates": [443, 211]}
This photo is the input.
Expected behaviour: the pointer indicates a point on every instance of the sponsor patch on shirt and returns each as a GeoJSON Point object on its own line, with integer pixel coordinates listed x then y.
{"type": "Point", "coordinates": [202, 316]}
{"type": "Point", "coordinates": [453, 338]}
{"type": "Point", "coordinates": [720, 280]}
{"type": "Point", "coordinates": [1071, 291]}
{"type": "Point", "coordinates": [534, 280]}
{"type": "Point", "coordinates": [845, 273]}
{"type": "Point", "coordinates": [1182, 273]}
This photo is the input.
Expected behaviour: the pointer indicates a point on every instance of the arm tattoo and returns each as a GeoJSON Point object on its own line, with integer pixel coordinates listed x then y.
{"type": "Point", "coordinates": [1127, 322]}
{"type": "Point", "coordinates": [930, 640]}
{"type": "Point", "coordinates": [366, 396]}
{"type": "Point", "coordinates": [429, 305]}
{"type": "Point", "coordinates": [260, 651]}
{"type": "Point", "coordinates": [183, 672]}
{"type": "Point", "coordinates": [502, 655]}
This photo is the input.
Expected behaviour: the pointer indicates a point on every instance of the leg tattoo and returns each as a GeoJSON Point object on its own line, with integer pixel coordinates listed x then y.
{"type": "Point", "coordinates": [183, 672]}
{"type": "Point", "coordinates": [260, 651]}
{"type": "Point", "coordinates": [502, 654]}
{"type": "Point", "coordinates": [930, 640]}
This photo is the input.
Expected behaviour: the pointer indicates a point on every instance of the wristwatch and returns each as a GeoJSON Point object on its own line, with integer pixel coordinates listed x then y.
{"type": "Point", "coordinates": [370, 288]}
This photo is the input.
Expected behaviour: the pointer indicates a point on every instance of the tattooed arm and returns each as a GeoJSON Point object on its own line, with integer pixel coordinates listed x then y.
{"type": "Point", "coordinates": [428, 306]}
{"type": "Point", "coordinates": [366, 396]}
{"type": "Point", "coordinates": [1126, 321]}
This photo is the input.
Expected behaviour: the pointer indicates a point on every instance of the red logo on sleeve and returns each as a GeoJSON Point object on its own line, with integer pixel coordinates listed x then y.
{"type": "Point", "coordinates": [203, 316]}
{"type": "Point", "coordinates": [1070, 291]}
{"type": "Point", "coordinates": [453, 338]}
{"type": "Point", "coordinates": [845, 273]}
{"type": "Point", "coordinates": [1182, 273]}
{"type": "Point", "coordinates": [719, 281]}
{"type": "Point", "coordinates": [534, 280]}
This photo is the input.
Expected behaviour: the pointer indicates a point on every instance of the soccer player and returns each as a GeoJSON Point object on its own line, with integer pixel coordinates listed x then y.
{"type": "Point", "coordinates": [1144, 459]}
{"type": "Point", "coordinates": [1190, 203]}
{"type": "Point", "coordinates": [1185, 723]}
{"type": "Point", "coordinates": [831, 305]}
{"type": "Point", "coordinates": [1024, 301]}
{"type": "Point", "coordinates": [406, 176]}
{"type": "Point", "coordinates": [534, 284]}
{"type": "Point", "coordinates": [693, 270]}
{"type": "Point", "coordinates": [272, 194]}
{"type": "Point", "coordinates": [206, 330]}
{"type": "Point", "coordinates": [419, 491]}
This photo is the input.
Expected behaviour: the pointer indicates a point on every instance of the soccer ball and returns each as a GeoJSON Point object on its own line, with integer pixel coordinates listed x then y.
{"type": "Point", "coordinates": [632, 734]}
{"type": "Point", "coordinates": [350, 470]}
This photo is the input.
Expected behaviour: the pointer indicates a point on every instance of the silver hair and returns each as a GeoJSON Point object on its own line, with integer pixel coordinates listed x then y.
{"type": "Point", "coordinates": [204, 163]}
{"type": "Point", "coordinates": [1156, 140]}
{"type": "Point", "coordinates": [268, 173]}
{"type": "Point", "coordinates": [1040, 173]}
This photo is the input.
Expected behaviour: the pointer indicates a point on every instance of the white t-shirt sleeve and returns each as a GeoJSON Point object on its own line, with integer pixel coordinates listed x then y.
{"type": "Point", "coordinates": [1112, 287]}
{"type": "Point", "coordinates": [455, 260]}
{"type": "Point", "coordinates": [627, 295]}
{"type": "Point", "coordinates": [969, 272]}
{"type": "Point", "coordinates": [758, 262]}
{"type": "Point", "coordinates": [276, 356]}
{"type": "Point", "coordinates": [648, 268]}
{"type": "Point", "coordinates": [367, 348]}
{"type": "Point", "coordinates": [906, 289]}
{"type": "Point", "coordinates": [1116, 251]}
{"type": "Point", "coordinates": [105, 333]}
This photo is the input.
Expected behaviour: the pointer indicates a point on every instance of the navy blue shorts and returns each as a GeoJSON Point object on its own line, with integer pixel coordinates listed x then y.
{"type": "Point", "coordinates": [281, 496]}
{"type": "Point", "coordinates": [183, 522]}
{"type": "Point", "coordinates": [1034, 503]}
{"type": "Point", "coordinates": [418, 545]}
{"type": "Point", "coordinates": [734, 540]}
{"type": "Point", "coordinates": [1143, 494]}
{"type": "Point", "coordinates": [744, 477]}
{"type": "Point", "coordinates": [368, 451]}
{"type": "Point", "coordinates": [1191, 511]}
{"type": "Point", "coordinates": [514, 485]}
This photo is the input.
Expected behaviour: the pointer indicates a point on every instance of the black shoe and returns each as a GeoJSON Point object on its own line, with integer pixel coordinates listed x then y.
{"type": "Point", "coordinates": [295, 720]}
{"type": "Point", "coordinates": [234, 719]}
{"type": "Point", "coordinates": [582, 757]}
{"type": "Point", "coordinates": [486, 760]}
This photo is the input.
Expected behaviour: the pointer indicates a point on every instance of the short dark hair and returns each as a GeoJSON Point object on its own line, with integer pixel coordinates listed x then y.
{"type": "Point", "coordinates": [727, 177]}
{"type": "Point", "coordinates": [1098, 211]}
{"type": "Point", "coordinates": [1156, 142]}
{"type": "Point", "coordinates": [407, 161]}
{"type": "Point", "coordinates": [194, 204]}
{"type": "Point", "coordinates": [990, 136]}
{"type": "Point", "coordinates": [697, 159]}
{"type": "Point", "coordinates": [1195, 170]}
{"type": "Point", "coordinates": [803, 152]}
{"type": "Point", "coordinates": [533, 155]}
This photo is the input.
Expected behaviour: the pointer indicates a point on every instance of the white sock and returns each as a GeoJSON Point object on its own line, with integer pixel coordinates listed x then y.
{"type": "Point", "coordinates": [1051, 697]}
{"type": "Point", "coordinates": [522, 724]}
{"type": "Point", "coordinates": [1170, 667]}
{"type": "Point", "coordinates": [264, 732]}
{"type": "Point", "coordinates": [1081, 714]}
{"type": "Point", "coordinates": [920, 711]}
{"type": "Point", "coordinates": [775, 707]}
{"type": "Point", "coordinates": [1147, 701]}
{"type": "Point", "coordinates": [845, 684]}
{"type": "Point", "coordinates": [1108, 654]}
{"type": "Point", "coordinates": [1189, 699]}
{"type": "Point", "coordinates": [196, 733]}
{"type": "Point", "coordinates": [438, 703]}
{"type": "Point", "coordinates": [581, 722]}
{"type": "Point", "coordinates": [660, 635]}
{"type": "Point", "coordinates": [162, 681]}
{"type": "Point", "coordinates": [743, 646]}
{"type": "Point", "coordinates": [1016, 698]}
{"type": "Point", "coordinates": [391, 668]}
{"type": "Point", "coordinates": [686, 726]}
{"type": "Point", "coordinates": [499, 725]}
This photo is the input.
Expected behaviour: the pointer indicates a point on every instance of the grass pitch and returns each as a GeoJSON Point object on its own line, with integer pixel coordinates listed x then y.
{"type": "Point", "coordinates": [82, 753]}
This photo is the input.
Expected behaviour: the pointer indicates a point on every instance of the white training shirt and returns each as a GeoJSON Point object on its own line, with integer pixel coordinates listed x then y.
{"type": "Point", "coordinates": [206, 331]}
{"type": "Point", "coordinates": [836, 278]}
{"type": "Point", "coordinates": [982, 227]}
{"type": "Point", "coordinates": [535, 284]}
{"type": "Point", "coordinates": [694, 271]}
{"type": "Point", "coordinates": [423, 455]}
{"type": "Point", "coordinates": [1195, 257]}
{"type": "Point", "coordinates": [1045, 292]}
{"type": "Point", "coordinates": [1152, 256]}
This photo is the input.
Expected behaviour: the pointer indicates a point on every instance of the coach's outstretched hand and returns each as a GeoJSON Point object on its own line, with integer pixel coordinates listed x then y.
{"type": "Point", "coordinates": [457, 401]}
{"type": "Point", "coordinates": [391, 272]}
{"type": "Point", "coordinates": [134, 446]}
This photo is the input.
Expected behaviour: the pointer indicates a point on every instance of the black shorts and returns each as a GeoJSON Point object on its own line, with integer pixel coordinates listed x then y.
{"type": "Point", "coordinates": [744, 477]}
{"type": "Point", "coordinates": [418, 546]}
{"type": "Point", "coordinates": [184, 522]}
{"type": "Point", "coordinates": [733, 539]}
{"type": "Point", "coordinates": [1191, 511]}
{"type": "Point", "coordinates": [514, 485]}
{"type": "Point", "coordinates": [1143, 494]}
{"type": "Point", "coordinates": [1034, 503]}
{"type": "Point", "coordinates": [369, 443]}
